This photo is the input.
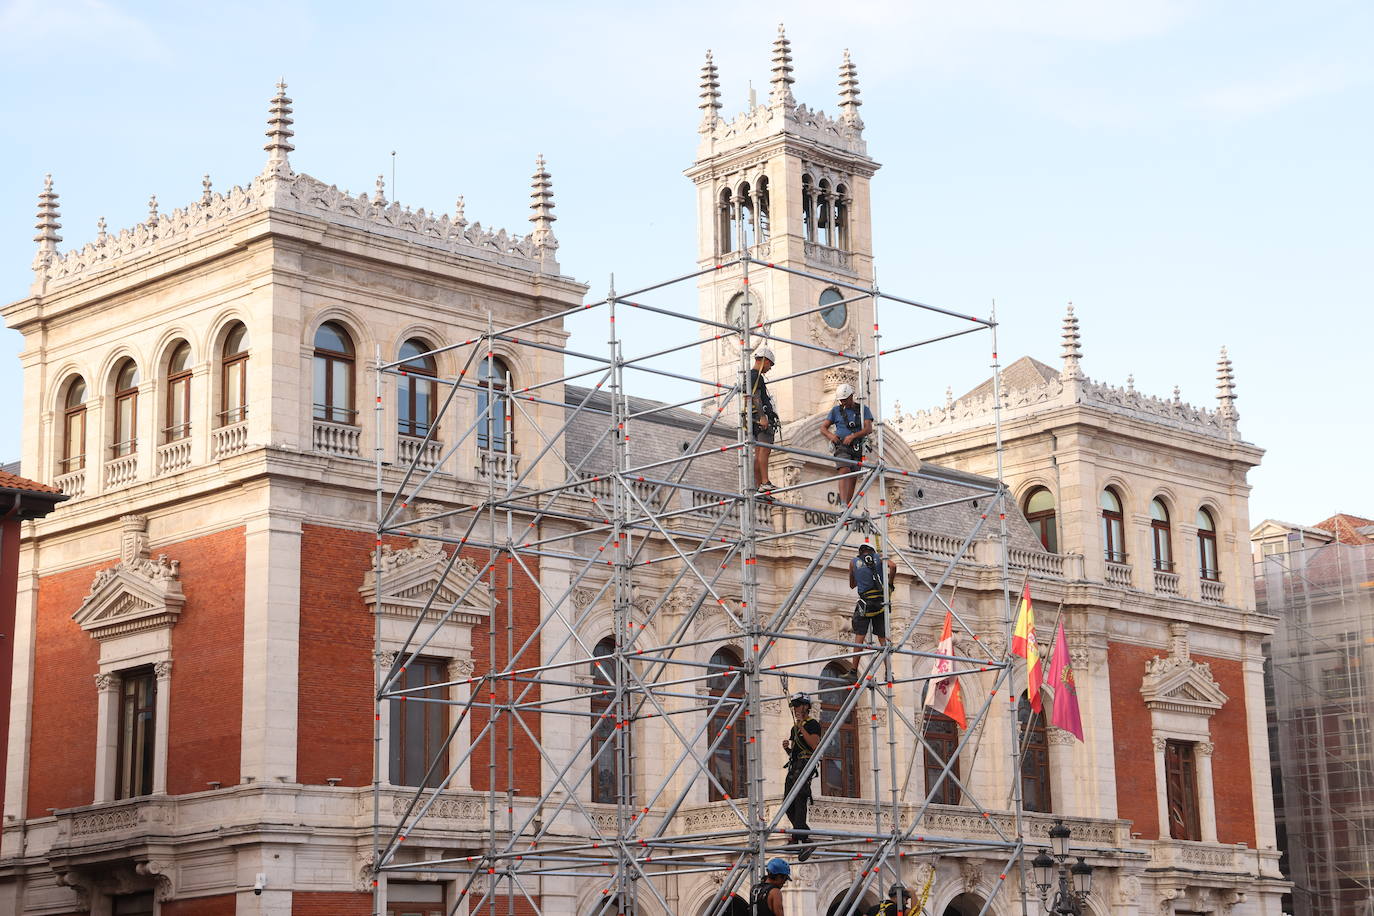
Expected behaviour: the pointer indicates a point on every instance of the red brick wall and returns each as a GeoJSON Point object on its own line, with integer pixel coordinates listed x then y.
{"type": "Point", "coordinates": [1135, 770]}
{"type": "Point", "coordinates": [66, 660]}
{"type": "Point", "coordinates": [203, 741]}
{"type": "Point", "coordinates": [335, 704]}
{"type": "Point", "coordinates": [221, 905]}
{"type": "Point", "coordinates": [9, 583]}
{"type": "Point", "coordinates": [331, 904]}
{"type": "Point", "coordinates": [206, 706]}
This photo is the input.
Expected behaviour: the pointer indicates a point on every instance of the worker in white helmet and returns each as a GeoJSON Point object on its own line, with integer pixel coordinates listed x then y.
{"type": "Point", "coordinates": [764, 421]}
{"type": "Point", "coordinates": [847, 426]}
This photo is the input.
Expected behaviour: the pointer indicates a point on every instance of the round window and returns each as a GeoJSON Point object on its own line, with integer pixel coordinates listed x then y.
{"type": "Point", "coordinates": [838, 312]}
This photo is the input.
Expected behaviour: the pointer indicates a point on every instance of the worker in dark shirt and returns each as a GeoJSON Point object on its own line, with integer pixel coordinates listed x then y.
{"type": "Point", "coordinates": [766, 898]}
{"type": "Point", "coordinates": [898, 903]}
{"type": "Point", "coordinates": [800, 745]}
{"type": "Point", "coordinates": [763, 419]}
{"type": "Point", "coordinates": [875, 592]}
{"type": "Point", "coordinates": [847, 426]}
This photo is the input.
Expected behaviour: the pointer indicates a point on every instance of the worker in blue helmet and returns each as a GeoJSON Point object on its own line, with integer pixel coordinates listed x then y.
{"type": "Point", "coordinates": [766, 900]}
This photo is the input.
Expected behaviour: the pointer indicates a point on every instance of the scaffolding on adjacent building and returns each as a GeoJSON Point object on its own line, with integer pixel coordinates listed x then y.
{"type": "Point", "coordinates": [673, 550]}
{"type": "Point", "coordinates": [1322, 707]}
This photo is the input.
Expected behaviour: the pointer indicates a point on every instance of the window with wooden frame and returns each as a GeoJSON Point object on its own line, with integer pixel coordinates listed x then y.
{"type": "Point", "coordinates": [840, 762]}
{"type": "Point", "coordinates": [419, 725]}
{"type": "Point", "coordinates": [726, 730]}
{"type": "Point", "coordinates": [604, 783]}
{"type": "Point", "coordinates": [407, 898]}
{"type": "Point", "coordinates": [1161, 536]}
{"type": "Point", "coordinates": [1040, 514]}
{"type": "Point", "coordinates": [137, 733]}
{"type": "Point", "coordinates": [416, 396]}
{"type": "Point", "coordinates": [1180, 783]}
{"type": "Point", "coordinates": [333, 374]}
{"type": "Point", "coordinates": [178, 393]}
{"type": "Point", "coordinates": [73, 427]}
{"type": "Point", "coordinates": [1113, 527]}
{"type": "Point", "coordinates": [942, 742]}
{"type": "Point", "coordinates": [233, 398]}
{"type": "Point", "coordinates": [1207, 545]}
{"type": "Point", "coordinates": [494, 424]}
{"type": "Point", "coordinates": [125, 410]}
{"type": "Point", "coordinates": [1035, 759]}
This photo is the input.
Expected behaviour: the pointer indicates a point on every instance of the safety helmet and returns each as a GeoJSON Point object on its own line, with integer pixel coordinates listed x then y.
{"type": "Point", "coordinates": [866, 548]}
{"type": "Point", "coordinates": [765, 353]}
{"type": "Point", "coordinates": [844, 391]}
{"type": "Point", "coordinates": [779, 867]}
{"type": "Point", "coordinates": [800, 699]}
{"type": "Point", "coordinates": [898, 890]}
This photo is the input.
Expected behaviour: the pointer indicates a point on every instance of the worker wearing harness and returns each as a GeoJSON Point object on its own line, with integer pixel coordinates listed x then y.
{"type": "Point", "coordinates": [800, 745]}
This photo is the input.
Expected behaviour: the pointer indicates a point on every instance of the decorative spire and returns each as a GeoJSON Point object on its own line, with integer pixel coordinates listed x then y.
{"type": "Point", "coordinates": [206, 195]}
{"type": "Point", "coordinates": [47, 225]}
{"type": "Point", "coordinates": [781, 83]}
{"type": "Point", "coordinates": [949, 397]}
{"type": "Point", "coordinates": [541, 203]}
{"type": "Point", "coordinates": [460, 218]}
{"type": "Point", "coordinates": [849, 93]}
{"type": "Point", "coordinates": [1130, 383]}
{"type": "Point", "coordinates": [152, 210]}
{"type": "Point", "coordinates": [279, 133]}
{"type": "Point", "coordinates": [1226, 388]}
{"type": "Point", "coordinates": [101, 236]}
{"type": "Point", "coordinates": [710, 94]}
{"type": "Point", "coordinates": [380, 199]}
{"type": "Point", "coordinates": [1178, 395]}
{"type": "Point", "coordinates": [1073, 351]}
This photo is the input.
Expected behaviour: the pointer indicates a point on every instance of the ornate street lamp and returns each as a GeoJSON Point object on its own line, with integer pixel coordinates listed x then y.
{"type": "Point", "coordinates": [1075, 881]}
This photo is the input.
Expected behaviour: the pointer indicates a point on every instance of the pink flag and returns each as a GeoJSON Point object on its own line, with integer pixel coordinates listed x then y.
{"type": "Point", "coordinates": [1064, 712]}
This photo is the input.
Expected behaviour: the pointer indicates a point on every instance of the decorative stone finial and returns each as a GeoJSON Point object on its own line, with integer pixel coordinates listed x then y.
{"type": "Point", "coordinates": [849, 93]}
{"type": "Point", "coordinates": [47, 225]}
{"type": "Point", "coordinates": [541, 205]}
{"type": "Point", "coordinates": [1130, 383]}
{"type": "Point", "coordinates": [101, 236]}
{"type": "Point", "coordinates": [380, 199]}
{"type": "Point", "coordinates": [710, 94]}
{"type": "Point", "coordinates": [780, 92]}
{"type": "Point", "coordinates": [1073, 350]}
{"type": "Point", "coordinates": [279, 133]}
{"type": "Point", "coordinates": [949, 397]}
{"type": "Point", "coordinates": [459, 213]}
{"type": "Point", "coordinates": [206, 195]}
{"type": "Point", "coordinates": [1226, 388]}
{"type": "Point", "coordinates": [152, 210]}
{"type": "Point", "coordinates": [1178, 395]}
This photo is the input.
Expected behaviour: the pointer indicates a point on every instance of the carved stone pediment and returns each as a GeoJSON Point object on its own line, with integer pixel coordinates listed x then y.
{"type": "Point", "coordinates": [138, 593]}
{"type": "Point", "coordinates": [412, 574]}
{"type": "Point", "coordinates": [1176, 683]}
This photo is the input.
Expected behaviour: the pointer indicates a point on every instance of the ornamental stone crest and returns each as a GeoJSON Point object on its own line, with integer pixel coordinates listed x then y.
{"type": "Point", "coordinates": [1176, 683]}
{"type": "Point", "coordinates": [138, 593]}
{"type": "Point", "coordinates": [420, 574]}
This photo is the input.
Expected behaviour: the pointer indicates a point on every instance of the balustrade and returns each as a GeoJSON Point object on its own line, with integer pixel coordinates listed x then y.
{"type": "Point", "coordinates": [73, 484]}
{"type": "Point", "coordinates": [1119, 574]}
{"type": "Point", "coordinates": [413, 450]}
{"type": "Point", "coordinates": [173, 456]}
{"type": "Point", "coordinates": [121, 471]}
{"type": "Point", "coordinates": [1213, 592]}
{"type": "Point", "coordinates": [228, 440]}
{"type": "Point", "coordinates": [336, 439]}
{"type": "Point", "coordinates": [1166, 583]}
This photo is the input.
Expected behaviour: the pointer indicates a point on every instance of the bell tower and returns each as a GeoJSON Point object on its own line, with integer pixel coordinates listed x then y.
{"type": "Point", "coordinates": [790, 186]}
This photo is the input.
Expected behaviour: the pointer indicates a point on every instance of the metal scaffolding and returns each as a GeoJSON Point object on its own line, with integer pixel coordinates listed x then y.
{"type": "Point", "coordinates": [673, 545]}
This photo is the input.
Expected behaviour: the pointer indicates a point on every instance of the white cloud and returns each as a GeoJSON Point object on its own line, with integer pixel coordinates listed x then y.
{"type": "Point", "coordinates": [34, 27]}
{"type": "Point", "coordinates": [1290, 84]}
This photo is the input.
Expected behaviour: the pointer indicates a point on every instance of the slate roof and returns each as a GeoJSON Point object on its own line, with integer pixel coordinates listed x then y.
{"type": "Point", "coordinates": [1026, 372]}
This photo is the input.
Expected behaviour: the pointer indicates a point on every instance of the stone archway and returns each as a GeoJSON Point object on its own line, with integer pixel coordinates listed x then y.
{"type": "Point", "coordinates": [964, 905]}
{"type": "Point", "coordinates": [837, 907]}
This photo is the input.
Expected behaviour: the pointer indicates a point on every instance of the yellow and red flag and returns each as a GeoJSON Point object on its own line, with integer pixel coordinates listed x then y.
{"type": "Point", "coordinates": [1023, 644]}
{"type": "Point", "coordinates": [943, 695]}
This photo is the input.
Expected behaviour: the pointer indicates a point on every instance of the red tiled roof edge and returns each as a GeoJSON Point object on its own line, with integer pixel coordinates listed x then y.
{"type": "Point", "coordinates": [10, 481]}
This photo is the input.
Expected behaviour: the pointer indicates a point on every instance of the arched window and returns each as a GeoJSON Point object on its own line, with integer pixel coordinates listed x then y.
{"type": "Point", "coordinates": [1035, 759]}
{"type": "Point", "coordinates": [727, 221]}
{"type": "Point", "coordinates": [1113, 527]}
{"type": "Point", "coordinates": [942, 740]}
{"type": "Point", "coordinates": [1040, 514]}
{"type": "Point", "coordinates": [840, 764]}
{"type": "Point", "coordinates": [416, 399]}
{"type": "Point", "coordinates": [494, 425]}
{"type": "Point", "coordinates": [1207, 545]}
{"type": "Point", "coordinates": [808, 209]}
{"type": "Point", "coordinates": [604, 789]}
{"type": "Point", "coordinates": [745, 216]}
{"type": "Point", "coordinates": [842, 217]}
{"type": "Point", "coordinates": [179, 393]}
{"type": "Point", "coordinates": [333, 374]}
{"type": "Point", "coordinates": [729, 755]}
{"type": "Point", "coordinates": [234, 376]}
{"type": "Point", "coordinates": [74, 427]}
{"type": "Point", "coordinates": [761, 202]}
{"type": "Point", "coordinates": [1160, 535]}
{"type": "Point", "coordinates": [824, 224]}
{"type": "Point", "coordinates": [125, 410]}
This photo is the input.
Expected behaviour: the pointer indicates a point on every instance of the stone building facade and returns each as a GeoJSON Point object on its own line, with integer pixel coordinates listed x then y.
{"type": "Point", "coordinates": [199, 634]}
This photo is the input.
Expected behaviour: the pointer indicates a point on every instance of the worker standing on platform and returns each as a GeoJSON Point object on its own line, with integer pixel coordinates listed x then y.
{"type": "Point", "coordinates": [847, 426]}
{"type": "Point", "coordinates": [875, 601]}
{"type": "Point", "coordinates": [763, 419]}
{"type": "Point", "coordinates": [767, 896]}
{"type": "Point", "coordinates": [800, 745]}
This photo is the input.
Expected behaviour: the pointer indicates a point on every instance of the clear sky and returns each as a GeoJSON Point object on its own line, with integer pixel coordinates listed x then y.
{"type": "Point", "coordinates": [1187, 174]}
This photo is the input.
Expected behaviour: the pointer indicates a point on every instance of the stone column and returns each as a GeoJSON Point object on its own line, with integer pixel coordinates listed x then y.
{"type": "Point", "coordinates": [204, 413]}
{"type": "Point", "coordinates": [21, 699]}
{"type": "Point", "coordinates": [1261, 786]}
{"type": "Point", "coordinates": [1161, 787]}
{"type": "Point", "coordinates": [460, 669]}
{"type": "Point", "coordinates": [1064, 766]}
{"type": "Point", "coordinates": [107, 735]}
{"type": "Point", "coordinates": [384, 661]}
{"type": "Point", "coordinates": [271, 630]}
{"type": "Point", "coordinates": [162, 720]}
{"type": "Point", "coordinates": [1206, 801]}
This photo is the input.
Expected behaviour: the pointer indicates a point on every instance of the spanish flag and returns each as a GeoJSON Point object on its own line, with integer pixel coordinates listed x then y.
{"type": "Point", "coordinates": [944, 695]}
{"type": "Point", "coordinates": [1023, 644]}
